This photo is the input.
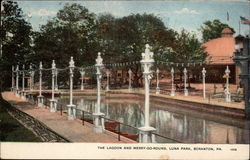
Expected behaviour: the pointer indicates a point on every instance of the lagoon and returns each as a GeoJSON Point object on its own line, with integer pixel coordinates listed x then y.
{"type": "Point", "coordinates": [171, 121]}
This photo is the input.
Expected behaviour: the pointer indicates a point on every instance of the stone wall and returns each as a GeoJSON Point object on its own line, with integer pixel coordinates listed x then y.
{"type": "Point", "coordinates": [37, 127]}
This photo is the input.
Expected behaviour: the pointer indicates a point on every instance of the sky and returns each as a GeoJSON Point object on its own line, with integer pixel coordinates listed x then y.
{"type": "Point", "coordinates": [177, 15]}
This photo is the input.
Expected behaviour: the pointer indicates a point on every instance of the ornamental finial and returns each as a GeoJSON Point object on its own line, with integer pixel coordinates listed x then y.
{"type": "Point", "coordinates": [99, 59]}
{"type": "Point", "coordinates": [71, 63]}
{"type": "Point", "coordinates": [41, 65]}
{"type": "Point", "coordinates": [53, 64]}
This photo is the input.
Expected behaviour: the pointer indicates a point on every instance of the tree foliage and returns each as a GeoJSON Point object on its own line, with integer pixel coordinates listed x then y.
{"type": "Point", "coordinates": [123, 39]}
{"type": "Point", "coordinates": [71, 33]}
{"type": "Point", "coordinates": [187, 50]}
{"type": "Point", "coordinates": [212, 29]}
{"type": "Point", "coordinates": [16, 38]}
{"type": "Point", "coordinates": [77, 32]}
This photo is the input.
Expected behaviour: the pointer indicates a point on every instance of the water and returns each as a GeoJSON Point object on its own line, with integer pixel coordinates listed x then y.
{"type": "Point", "coordinates": [169, 121]}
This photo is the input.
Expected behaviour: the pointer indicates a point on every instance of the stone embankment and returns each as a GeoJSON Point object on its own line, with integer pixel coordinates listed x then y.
{"type": "Point", "coordinates": [38, 128]}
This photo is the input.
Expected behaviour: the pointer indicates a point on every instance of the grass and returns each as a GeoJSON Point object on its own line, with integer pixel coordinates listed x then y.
{"type": "Point", "coordinates": [11, 130]}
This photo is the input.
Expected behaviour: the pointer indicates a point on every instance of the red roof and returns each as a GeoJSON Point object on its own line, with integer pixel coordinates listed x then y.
{"type": "Point", "coordinates": [227, 31]}
{"type": "Point", "coordinates": [221, 50]}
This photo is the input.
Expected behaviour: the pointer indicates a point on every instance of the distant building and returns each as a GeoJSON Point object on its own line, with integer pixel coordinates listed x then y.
{"type": "Point", "coordinates": [220, 51]}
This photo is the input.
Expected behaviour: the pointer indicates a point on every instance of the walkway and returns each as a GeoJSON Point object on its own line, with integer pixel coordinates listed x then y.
{"type": "Point", "coordinates": [71, 130]}
{"type": "Point", "coordinates": [197, 99]}
{"type": "Point", "coordinates": [179, 96]}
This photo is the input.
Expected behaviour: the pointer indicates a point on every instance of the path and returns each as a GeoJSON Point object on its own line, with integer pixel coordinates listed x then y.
{"type": "Point", "coordinates": [197, 99]}
{"type": "Point", "coordinates": [71, 130]}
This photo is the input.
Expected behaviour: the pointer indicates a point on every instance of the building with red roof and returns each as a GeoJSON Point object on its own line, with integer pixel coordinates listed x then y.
{"type": "Point", "coordinates": [221, 51]}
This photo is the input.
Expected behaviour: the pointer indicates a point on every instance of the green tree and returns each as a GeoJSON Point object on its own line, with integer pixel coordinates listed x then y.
{"type": "Point", "coordinates": [71, 33]}
{"type": "Point", "coordinates": [107, 37]}
{"type": "Point", "coordinates": [124, 38]}
{"type": "Point", "coordinates": [212, 29]}
{"type": "Point", "coordinates": [16, 37]}
{"type": "Point", "coordinates": [187, 50]}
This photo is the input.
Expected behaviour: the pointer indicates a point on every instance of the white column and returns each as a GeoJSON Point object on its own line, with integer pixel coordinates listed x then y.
{"type": "Point", "coordinates": [108, 74]}
{"type": "Point", "coordinates": [56, 85]}
{"type": "Point", "coordinates": [32, 79]}
{"type": "Point", "coordinates": [53, 80]}
{"type": "Point", "coordinates": [147, 78]}
{"type": "Point", "coordinates": [82, 75]}
{"type": "Point", "coordinates": [147, 61]}
{"type": "Point", "coordinates": [30, 72]}
{"type": "Point", "coordinates": [30, 94]}
{"type": "Point", "coordinates": [172, 83]}
{"type": "Point", "coordinates": [71, 106]}
{"type": "Point", "coordinates": [98, 120]}
{"type": "Point", "coordinates": [72, 65]}
{"type": "Point", "coordinates": [157, 81]}
{"type": "Point", "coordinates": [185, 82]}
{"type": "Point", "coordinates": [204, 82]}
{"type": "Point", "coordinates": [99, 76]}
{"type": "Point", "coordinates": [17, 79]}
{"type": "Point", "coordinates": [40, 97]}
{"type": "Point", "coordinates": [53, 104]}
{"type": "Point", "coordinates": [12, 79]}
{"type": "Point", "coordinates": [129, 82]}
{"type": "Point", "coordinates": [227, 91]}
{"type": "Point", "coordinates": [23, 94]}
{"type": "Point", "coordinates": [23, 73]}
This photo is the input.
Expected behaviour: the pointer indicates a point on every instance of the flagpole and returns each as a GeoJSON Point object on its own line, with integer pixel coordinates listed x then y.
{"type": "Point", "coordinates": [248, 29]}
{"type": "Point", "coordinates": [239, 27]}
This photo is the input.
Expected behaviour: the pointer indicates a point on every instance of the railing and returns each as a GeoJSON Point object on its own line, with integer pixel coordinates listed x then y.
{"type": "Point", "coordinates": [84, 117]}
{"type": "Point", "coordinates": [169, 140]}
{"type": "Point", "coordinates": [109, 124]}
{"type": "Point", "coordinates": [116, 127]}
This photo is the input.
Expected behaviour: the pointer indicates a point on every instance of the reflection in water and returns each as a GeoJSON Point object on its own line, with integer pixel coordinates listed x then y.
{"type": "Point", "coordinates": [186, 128]}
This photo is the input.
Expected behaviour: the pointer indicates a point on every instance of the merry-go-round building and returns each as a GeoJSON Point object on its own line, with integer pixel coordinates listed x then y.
{"type": "Point", "coordinates": [220, 55]}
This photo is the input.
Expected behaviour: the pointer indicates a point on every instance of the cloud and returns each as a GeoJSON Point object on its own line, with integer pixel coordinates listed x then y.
{"type": "Point", "coordinates": [44, 12]}
{"type": "Point", "coordinates": [186, 11]}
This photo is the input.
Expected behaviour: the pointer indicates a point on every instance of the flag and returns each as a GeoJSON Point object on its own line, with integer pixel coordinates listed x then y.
{"type": "Point", "coordinates": [244, 20]}
{"type": "Point", "coordinates": [227, 16]}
